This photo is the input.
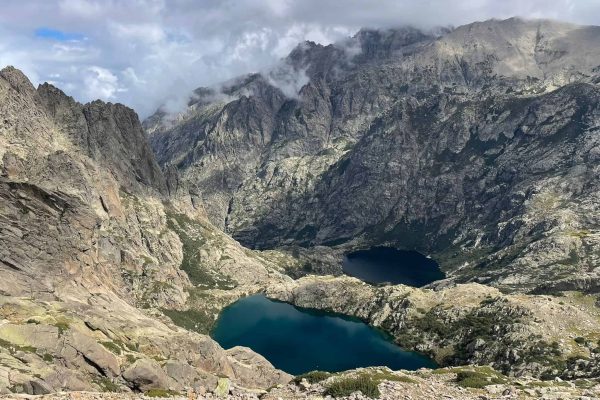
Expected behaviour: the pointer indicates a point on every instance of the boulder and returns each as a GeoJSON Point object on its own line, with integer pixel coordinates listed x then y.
{"type": "Point", "coordinates": [146, 374]}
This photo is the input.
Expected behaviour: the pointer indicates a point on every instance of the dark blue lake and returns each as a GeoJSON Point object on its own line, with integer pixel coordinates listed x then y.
{"type": "Point", "coordinates": [389, 265]}
{"type": "Point", "coordinates": [298, 340]}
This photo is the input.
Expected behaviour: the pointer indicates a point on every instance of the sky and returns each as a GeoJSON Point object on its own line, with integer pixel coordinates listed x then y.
{"type": "Point", "coordinates": [147, 53]}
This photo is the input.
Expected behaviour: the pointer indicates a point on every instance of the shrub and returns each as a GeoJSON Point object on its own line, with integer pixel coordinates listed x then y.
{"type": "Point", "coordinates": [478, 379]}
{"type": "Point", "coordinates": [313, 376]}
{"type": "Point", "coordinates": [346, 386]}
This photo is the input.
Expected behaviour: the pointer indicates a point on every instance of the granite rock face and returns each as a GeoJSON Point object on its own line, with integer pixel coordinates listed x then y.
{"type": "Point", "coordinates": [478, 146]}
{"type": "Point", "coordinates": [90, 255]}
{"type": "Point", "coordinates": [110, 134]}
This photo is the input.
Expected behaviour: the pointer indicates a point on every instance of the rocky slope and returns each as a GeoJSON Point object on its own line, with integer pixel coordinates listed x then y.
{"type": "Point", "coordinates": [478, 146]}
{"type": "Point", "coordinates": [91, 250]}
{"type": "Point", "coordinates": [448, 383]}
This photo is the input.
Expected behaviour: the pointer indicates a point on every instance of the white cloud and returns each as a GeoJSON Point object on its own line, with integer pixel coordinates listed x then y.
{"type": "Point", "coordinates": [80, 8]}
{"type": "Point", "coordinates": [288, 79]}
{"type": "Point", "coordinates": [101, 83]}
{"type": "Point", "coordinates": [146, 52]}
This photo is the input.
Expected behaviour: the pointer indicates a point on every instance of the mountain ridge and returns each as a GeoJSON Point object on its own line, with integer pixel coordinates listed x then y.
{"type": "Point", "coordinates": [283, 182]}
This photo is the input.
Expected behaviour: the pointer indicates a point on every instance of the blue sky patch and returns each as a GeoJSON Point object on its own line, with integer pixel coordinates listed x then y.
{"type": "Point", "coordinates": [54, 34]}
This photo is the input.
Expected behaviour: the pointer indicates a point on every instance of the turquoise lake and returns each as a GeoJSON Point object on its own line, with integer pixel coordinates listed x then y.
{"type": "Point", "coordinates": [298, 340]}
{"type": "Point", "coordinates": [388, 265]}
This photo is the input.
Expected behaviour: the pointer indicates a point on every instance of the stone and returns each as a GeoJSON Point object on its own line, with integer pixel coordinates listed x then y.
{"type": "Point", "coordinates": [146, 374]}
{"type": "Point", "coordinates": [94, 353]}
{"type": "Point", "coordinates": [223, 386]}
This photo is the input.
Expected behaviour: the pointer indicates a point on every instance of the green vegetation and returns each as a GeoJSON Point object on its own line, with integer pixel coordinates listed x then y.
{"type": "Point", "coordinates": [547, 354]}
{"type": "Point", "coordinates": [149, 297]}
{"type": "Point", "coordinates": [113, 347]}
{"type": "Point", "coordinates": [192, 320]}
{"type": "Point", "coordinates": [161, 393]}
{"type": "Point", "coordinates": [62, 325]}
{"type": "Point", "coordinates": [192, 235]}
{"type": "Point", "coordinates": [366, 382]}
{"type": "Point", "coordinates": [130, 346]}
{"type": "Point", "coordinates": [479, 378]}
{"type": "Point", "coordinates": [579, 234]}
{"type": "Point", "coordinates": [47, 357]}
{"type": "Point", "coordinates": [580, 340]}
{"type": "Point", "coordinates": [385, 375]}
{"type": "Point", "coordinates": [181, 224]}
{"type": "Point", "coordinates": [313, 376]}
{"type": "Point", "coordinates": [106, 385]}
{"type": "Point", "coordinates": [12, 348]}
{"type": "Point", "coordinates": [487, 325]}
{"type": "Point", "coordinates": [345, 386]}
{"type": "Point", "coordinates": [131, 358]}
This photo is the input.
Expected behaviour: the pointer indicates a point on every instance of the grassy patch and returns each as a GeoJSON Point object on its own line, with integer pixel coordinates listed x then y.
{"type": "Point", "coordinates": [113, 347]}
{"type": "Point", "coordinates": [366, 382]}
{"type": "Point", "coordinates": [385, 375]}
{"type": "Point", "coordinates": [161, 393]}
{"type": "Point", "coordinates": [313, 376]}
{"type": "Point", "coordinates": [579, 233]}
{"type": "Point", "coordinates": [131, 358]}
{"type": "Point", "coordinates": [106, 385]}
{"type": "Point", "coordinates": [12, 348]}
{"type": "Point", "coordinates": [345, 386]}
{"type": "Point", "coordinates": [479, 378]}
{"type": "Point", "coordinates": [192, 320]}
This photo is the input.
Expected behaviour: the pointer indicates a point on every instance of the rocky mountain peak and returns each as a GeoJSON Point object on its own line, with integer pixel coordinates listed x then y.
{"type": "Point", "coordinates": [110, 133]}
{"type": "Point", "coordinates": [376, 44]}
{"type": "Point", "coordinates": [17, 79]}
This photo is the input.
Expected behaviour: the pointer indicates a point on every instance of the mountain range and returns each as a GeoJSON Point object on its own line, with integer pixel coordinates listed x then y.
{"type": "Point", "coordinates": [479, 146]}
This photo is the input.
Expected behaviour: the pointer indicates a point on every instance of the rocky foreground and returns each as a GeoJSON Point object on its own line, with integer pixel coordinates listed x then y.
{"type": "Point", "coordinates": [454, 383]}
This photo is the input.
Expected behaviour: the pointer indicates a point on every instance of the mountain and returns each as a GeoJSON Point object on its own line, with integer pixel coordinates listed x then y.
{"type": "Point", "coordinates": [90, 253]}
{"type": "Point", "coordinates": [478, 146]}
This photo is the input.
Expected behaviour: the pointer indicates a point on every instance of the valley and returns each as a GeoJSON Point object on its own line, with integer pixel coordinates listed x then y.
{"type": "Point", "coordinates": [427, 200]}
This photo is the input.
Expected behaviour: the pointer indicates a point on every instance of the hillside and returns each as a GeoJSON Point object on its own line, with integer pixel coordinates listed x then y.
{"type": "Point", "coordinates": [478, 147]}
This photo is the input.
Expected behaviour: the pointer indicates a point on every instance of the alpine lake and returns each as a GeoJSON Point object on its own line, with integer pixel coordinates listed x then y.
{"type": "Point", "coordinates": [298, 340]}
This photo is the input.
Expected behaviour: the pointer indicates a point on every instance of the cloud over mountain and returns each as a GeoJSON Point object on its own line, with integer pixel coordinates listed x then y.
{"type": "Point", "coordinates": [145, 52]}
